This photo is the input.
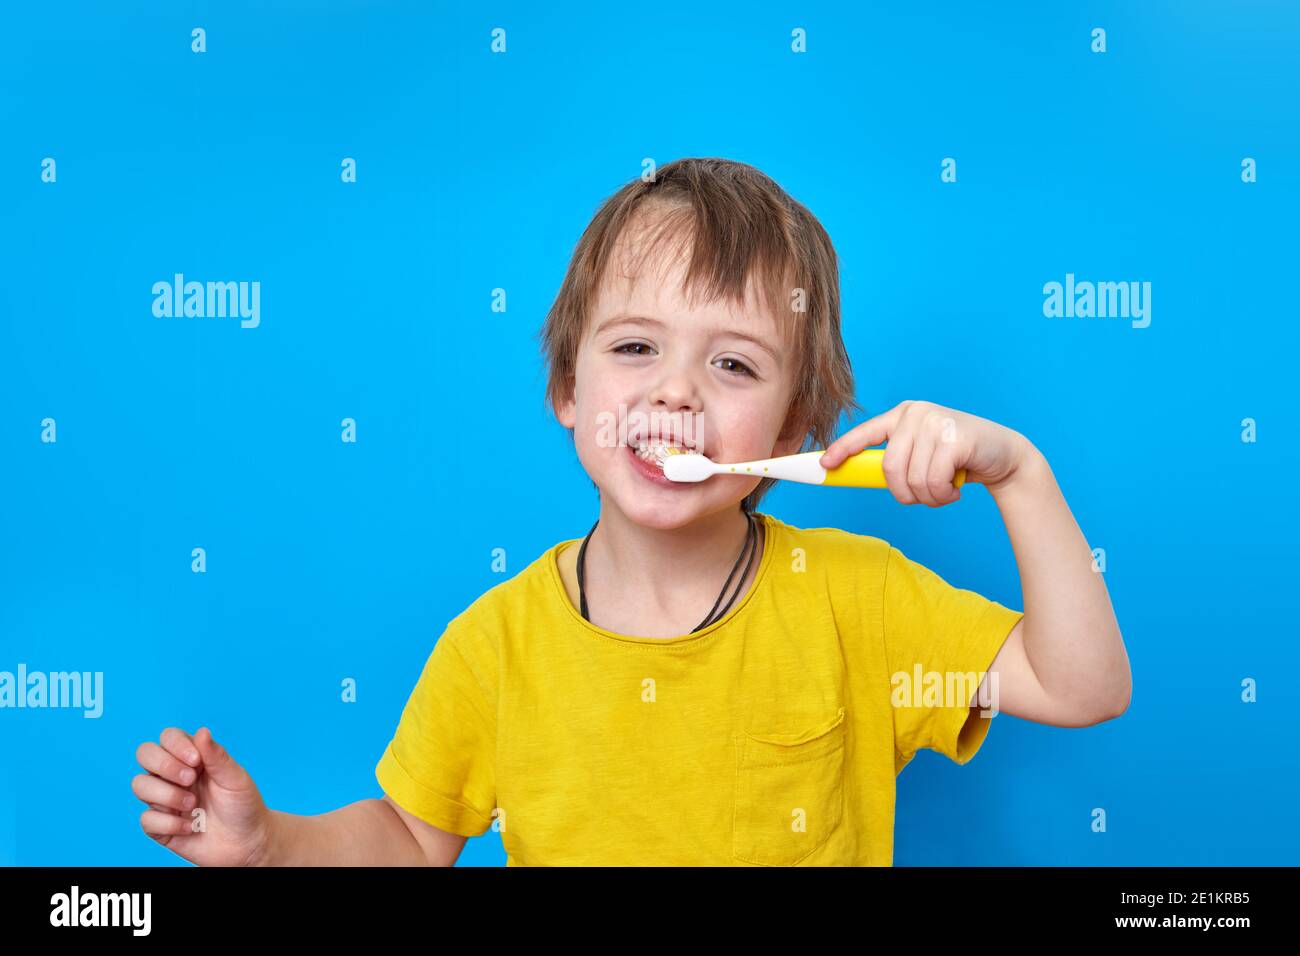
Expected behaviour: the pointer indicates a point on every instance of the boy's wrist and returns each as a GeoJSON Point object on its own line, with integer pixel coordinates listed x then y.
{"type": "Point", "coordinates": [1031, 470]}
{"type": "Point", "coordinates": [276, 840]}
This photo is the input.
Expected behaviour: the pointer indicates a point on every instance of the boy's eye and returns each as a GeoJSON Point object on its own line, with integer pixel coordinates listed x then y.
{"type": "Point", "coordinates": [747, 370]}
{"type": "Point", "coordinates": [631, 345]}
{"type": "Point", "coordinates": [743, 368]}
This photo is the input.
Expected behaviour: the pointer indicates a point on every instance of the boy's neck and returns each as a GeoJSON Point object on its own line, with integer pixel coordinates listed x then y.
{"type": "Point", "coordinates": [666, 575]}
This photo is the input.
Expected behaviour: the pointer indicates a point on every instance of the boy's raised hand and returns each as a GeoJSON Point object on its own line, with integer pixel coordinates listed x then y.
{"type": "Point", "coordinates": [927, 444]}
{"type": "Point", "coordinates": [186, 772]}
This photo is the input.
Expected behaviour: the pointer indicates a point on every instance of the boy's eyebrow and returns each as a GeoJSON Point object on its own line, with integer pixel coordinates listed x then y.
{"type": "Point", "coordinates": [658, 323]}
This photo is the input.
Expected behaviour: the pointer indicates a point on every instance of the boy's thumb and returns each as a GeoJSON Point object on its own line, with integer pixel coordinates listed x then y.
{"type": "Point", "coordinates": [217, 762]}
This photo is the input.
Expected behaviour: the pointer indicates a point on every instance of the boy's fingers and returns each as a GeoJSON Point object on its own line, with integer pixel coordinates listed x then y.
{"type": "Point", "coordinates": [157, 791]}
{"type": "Point", "coordinates": [918, 468]}
{"type": "Point", "coordinates": [180, 745]}
{"type": "Point", "coordinates": [217, 762]}
{"type": "Point", "coordinates": [871, 432]}
{"type": "Point", "coordinates": [156, 760]}
{"type": "Point", "coordinates": [942, 475]}
{"type": "Point", "coordinates": [158, 822]}
{"type": "Point", "coordinates": [895, 464]}
{"type": "Point", "coordinates": [850, 443]}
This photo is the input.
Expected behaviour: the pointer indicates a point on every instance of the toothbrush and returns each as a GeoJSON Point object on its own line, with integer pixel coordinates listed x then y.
{"type": "Point", "coordinates": [861, 470]}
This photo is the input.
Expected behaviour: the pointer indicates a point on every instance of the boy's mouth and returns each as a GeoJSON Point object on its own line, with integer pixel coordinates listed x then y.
{"type": "Point", "coordinates": [655, 451]}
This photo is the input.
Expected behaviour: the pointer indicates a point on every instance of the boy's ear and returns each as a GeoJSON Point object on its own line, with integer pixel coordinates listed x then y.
{"type": "Point", "coordinates": [566, 411]}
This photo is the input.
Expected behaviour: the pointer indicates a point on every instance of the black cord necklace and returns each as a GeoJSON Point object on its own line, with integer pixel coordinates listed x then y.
{"type": "Point", "coordinates": [750, 548]}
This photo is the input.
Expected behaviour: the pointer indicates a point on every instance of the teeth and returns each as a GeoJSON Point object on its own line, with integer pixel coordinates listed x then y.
{"type": "Point", "coordinates": [656, 452]}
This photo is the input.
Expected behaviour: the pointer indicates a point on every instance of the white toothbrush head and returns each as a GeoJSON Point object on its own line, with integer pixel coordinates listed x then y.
{"type": "Point", "coordinates": [686, 466]}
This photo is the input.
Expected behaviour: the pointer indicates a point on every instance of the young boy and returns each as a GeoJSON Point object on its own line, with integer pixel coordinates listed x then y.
{"type": "Point", "coordinates": [623, 699]}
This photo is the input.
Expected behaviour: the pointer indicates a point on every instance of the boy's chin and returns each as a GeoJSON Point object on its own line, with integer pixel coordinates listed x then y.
{"type": "Point", "coordinates": [661, 512]}
{"type": "Point", "coordinates": [665, 512]}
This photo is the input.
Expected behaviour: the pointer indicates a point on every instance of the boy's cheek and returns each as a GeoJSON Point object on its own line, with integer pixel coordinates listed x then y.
{"type": "Point", "coordinates": [741, 442]}
{"type": "Point", "coordinates": [598, 448]}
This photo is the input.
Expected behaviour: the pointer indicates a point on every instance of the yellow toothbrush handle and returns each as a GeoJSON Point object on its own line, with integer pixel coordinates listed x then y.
{"type": "Point", "coordinates": [865, 470]}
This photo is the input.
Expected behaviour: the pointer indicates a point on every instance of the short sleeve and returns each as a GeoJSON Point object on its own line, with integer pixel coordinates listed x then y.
{"type": "Point", "coordinates": [441, 763]}
{"type": "Point", "coordinates": [939, 643]}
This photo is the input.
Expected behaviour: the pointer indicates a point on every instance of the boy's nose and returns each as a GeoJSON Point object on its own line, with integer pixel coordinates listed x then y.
{"type": "Point", "coordinates": [676, 393]}
{"type": "Point", "coordinates": [676, 386]}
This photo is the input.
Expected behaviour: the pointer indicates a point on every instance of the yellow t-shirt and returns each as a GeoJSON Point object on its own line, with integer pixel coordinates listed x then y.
{"type": "Point", "coordinates": [770, 737]}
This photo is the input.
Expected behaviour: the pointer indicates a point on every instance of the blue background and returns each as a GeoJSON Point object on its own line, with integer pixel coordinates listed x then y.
{"type": "Point", "coordinates": [478, 171]}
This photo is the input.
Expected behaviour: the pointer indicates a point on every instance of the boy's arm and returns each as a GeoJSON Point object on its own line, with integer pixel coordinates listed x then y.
{"type": "Point", "coordinates": [440, 847]}
{"type": "Point", "coordinates": [1064, 663]}
{"type": "Point", "coordinates": [365, 833]}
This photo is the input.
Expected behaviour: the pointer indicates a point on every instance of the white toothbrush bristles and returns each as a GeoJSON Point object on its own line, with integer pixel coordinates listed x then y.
{"type": "Point", "coordinates": [686, 467]}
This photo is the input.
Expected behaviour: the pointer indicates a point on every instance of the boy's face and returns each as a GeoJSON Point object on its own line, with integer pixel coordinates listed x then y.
{"type": "Point", "coordinates": [648, 362]}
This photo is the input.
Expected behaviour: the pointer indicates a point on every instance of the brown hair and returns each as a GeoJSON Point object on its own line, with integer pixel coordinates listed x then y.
{"type": "Point", "coordinates": [739, 223]}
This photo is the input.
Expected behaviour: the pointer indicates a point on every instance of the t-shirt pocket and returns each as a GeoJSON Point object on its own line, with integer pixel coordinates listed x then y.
{"type": "Point", "coordinates": [789, 792]}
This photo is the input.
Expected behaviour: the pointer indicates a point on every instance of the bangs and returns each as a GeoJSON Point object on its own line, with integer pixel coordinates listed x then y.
{"type": "Point", "coordinates": [736, 261]}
